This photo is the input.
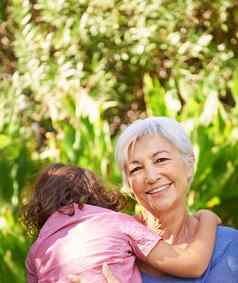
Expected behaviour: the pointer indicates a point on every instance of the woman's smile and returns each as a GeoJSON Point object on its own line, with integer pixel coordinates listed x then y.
{"type": "Point", "coordinates": [158, 189]}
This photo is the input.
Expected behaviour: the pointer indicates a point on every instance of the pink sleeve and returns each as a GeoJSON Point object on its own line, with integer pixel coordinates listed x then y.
{"type": "Point", "coordinates": [141, 238]}
{"type": "Point", "coordinates": [31, 275]}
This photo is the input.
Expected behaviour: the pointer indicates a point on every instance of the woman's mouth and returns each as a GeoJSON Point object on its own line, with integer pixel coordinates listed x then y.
{"type": "Point", "coordinates": [158, 189]}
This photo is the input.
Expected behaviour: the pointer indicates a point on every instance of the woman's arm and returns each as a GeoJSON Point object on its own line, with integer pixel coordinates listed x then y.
{"type": "Point", "coordinates": [193, 260]}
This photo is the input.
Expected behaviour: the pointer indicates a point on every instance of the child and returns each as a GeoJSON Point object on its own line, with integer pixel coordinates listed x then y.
{"type": "Point", "coordinates": [77, 230]}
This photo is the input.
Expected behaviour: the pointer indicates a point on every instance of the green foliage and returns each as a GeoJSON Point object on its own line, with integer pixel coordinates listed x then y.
{"type": "Point", "coordinates": [73, 72]}
{"type": "Point", "coordinates": [13, 247]}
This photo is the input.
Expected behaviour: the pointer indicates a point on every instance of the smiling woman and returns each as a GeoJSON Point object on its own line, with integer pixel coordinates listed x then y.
{"type": "Point", "coordinates": [157, 163]}
{"type": "Point", "coordinates": [157, 174]}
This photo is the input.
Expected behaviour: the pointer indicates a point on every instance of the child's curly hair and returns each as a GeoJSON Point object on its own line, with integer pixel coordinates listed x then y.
{"type": "Point", "coordinates": [58, 187]}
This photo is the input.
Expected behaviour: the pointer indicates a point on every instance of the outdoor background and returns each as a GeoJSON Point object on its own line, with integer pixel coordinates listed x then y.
{"type": "Point", "coordinates": [74, 72]}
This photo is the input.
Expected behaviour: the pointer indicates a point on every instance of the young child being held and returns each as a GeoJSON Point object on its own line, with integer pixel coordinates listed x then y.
{"type": "Point", "coordinates": [72, 215]}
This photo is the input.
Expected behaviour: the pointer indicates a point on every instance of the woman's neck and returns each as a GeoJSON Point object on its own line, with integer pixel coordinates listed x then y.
{"type": "Point", "coordinates": [175, 226]}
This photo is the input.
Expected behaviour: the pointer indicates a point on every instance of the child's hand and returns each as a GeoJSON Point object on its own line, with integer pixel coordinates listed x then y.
{"type": "Point", "coordinates": [205, 213]}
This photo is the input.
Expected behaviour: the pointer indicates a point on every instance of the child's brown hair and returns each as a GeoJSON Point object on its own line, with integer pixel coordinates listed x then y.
{"type": "Point", "coordinates": [58, 187]}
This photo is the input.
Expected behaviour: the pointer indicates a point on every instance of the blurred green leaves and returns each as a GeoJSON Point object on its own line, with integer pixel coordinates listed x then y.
{"type": "Point", "coordinates": [13, 248]}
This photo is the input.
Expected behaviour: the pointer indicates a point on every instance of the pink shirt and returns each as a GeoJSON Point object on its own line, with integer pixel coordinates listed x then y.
{"type": "Point", "coordinates": [81, 243]}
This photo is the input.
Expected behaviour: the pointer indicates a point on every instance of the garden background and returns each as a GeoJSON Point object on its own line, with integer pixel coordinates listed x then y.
{"type": "Point", "coordinates": [73, 73]}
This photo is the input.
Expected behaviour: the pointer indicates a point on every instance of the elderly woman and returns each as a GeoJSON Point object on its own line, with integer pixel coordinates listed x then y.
{"type": "Point", "coordinates": [156, 159]}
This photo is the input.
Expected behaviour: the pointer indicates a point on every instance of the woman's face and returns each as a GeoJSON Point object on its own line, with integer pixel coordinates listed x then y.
{"type": "Point", "coordinates": [157, 174]}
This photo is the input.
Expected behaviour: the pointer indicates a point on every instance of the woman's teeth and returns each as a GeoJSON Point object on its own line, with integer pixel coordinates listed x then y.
{"type": "Point", "coordinates": [156, 190]}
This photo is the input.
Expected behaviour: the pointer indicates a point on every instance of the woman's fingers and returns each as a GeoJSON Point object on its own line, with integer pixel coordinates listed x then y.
{"type": "Point", "coordinates": [74, 279]}
{"type": "Point", "coordinates": [108, 274]}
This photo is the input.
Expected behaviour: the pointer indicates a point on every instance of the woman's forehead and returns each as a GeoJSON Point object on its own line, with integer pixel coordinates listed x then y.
{"type": "Point", "coordinates": [149, 145]}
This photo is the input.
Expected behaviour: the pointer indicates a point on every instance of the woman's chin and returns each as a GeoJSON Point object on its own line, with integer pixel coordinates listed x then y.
{"type": "Point", "coordinates": [162, 205]}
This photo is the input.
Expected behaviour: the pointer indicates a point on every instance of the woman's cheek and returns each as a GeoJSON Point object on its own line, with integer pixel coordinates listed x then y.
{"type": "Point", "coordinates": [137, 183]}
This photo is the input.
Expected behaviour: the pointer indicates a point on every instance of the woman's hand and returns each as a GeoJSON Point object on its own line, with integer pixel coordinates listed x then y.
{"type": "Point", "coordinates": [106, 272]}
{"type": "Point", "coordinates": [207, 213]}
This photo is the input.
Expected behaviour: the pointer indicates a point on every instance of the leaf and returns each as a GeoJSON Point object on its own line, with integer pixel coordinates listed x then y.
{"type": "Point", "coordinates": [4, 141]}
{"type": "Point", "coordinates": [154, 97]}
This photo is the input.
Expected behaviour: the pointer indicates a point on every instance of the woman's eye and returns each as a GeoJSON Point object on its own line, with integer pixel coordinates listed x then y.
{"type": "Point", "coordinates": [134, 170]}
{"type": "Point", "coordinates": [162, 159]}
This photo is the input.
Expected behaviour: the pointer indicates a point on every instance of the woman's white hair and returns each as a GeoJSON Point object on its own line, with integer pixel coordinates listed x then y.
{"type": "Point", "coordinates": [166, 127]}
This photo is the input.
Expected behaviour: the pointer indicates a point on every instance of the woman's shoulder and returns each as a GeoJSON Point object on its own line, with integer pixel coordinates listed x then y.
{"type": "Point", "coordinates": [225, 237]}
{"type": "Point", "coordinates": [226, 233]}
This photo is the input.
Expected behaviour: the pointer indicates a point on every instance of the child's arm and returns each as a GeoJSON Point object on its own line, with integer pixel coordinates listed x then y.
{"type": "Point", "coordinates": [193, 260]}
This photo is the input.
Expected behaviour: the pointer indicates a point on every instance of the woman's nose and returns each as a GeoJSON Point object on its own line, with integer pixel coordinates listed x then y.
{"type": "Point", "coordinates": [152, 175]}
